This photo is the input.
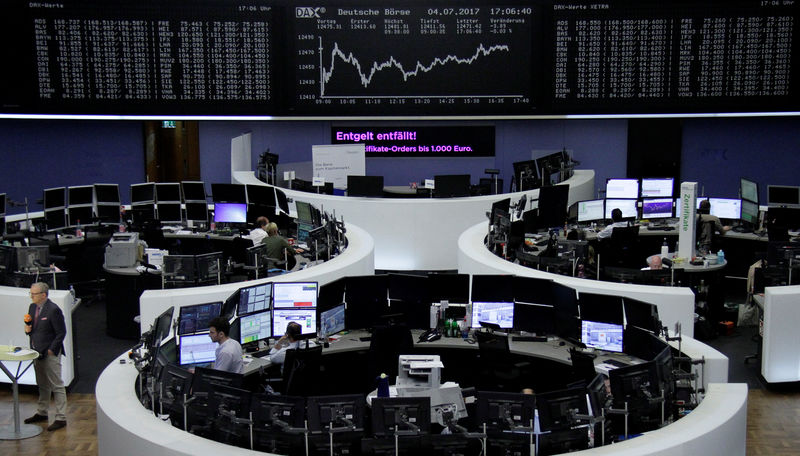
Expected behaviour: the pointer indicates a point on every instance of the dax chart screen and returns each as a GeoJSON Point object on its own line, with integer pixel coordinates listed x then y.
{"type": "Point", "coordinates": [414, 59]}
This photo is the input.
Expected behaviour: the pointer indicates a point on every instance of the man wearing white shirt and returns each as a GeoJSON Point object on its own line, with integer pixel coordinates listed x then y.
{"type": "Point", "coordinates": [616, 217]}
{"type": "Point", "coordinates": [258, 233]}
{"type": "Point", "coordinates": [290, 340]}
{"type": "Point", "coordinates": [228, 356]}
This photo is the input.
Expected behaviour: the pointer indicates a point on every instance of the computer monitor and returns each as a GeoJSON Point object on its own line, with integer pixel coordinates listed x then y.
{"type": "Point", "coordinates": [107, 193]}
{"type": "Point", "coordinates": [331, 294]}
{"type": "Point", "coordinates": [108, 213]}
{"type": "Point", "coordinates": [283, 202]}
{"type": "Point", "coordinates": [499, 313]}
{"type": "Point", "coordinates": [55, 219]}
{"type": "Point", "coordinates": [371, 186]}
{"type": "Point", "coordinates": [255, 327]}
{"type": "Point", "coordinates": [627, 206]}
{"type": "Point", "coordinates": [502, 411]}
{"type": "Point", "coordinates": [367, 299]}
{"type": "Point", "coordinates": [726, 208]}
{"type": "Point", "coordinates": [274, 412]}
{"type": "Point", "coordinates": [409, 414]}
{"type": "Point", "coordinates": [162, 325]}
{"type": "Point", "coordinates": [783, 195]}
{"type": "Point", "coordinates": [337, 412]}
{"type": "Point", "coordinates": [602, 336]}
{"type": "Point", "coordinates": [168, 192]}
{"type": "Point", "coordinates": [254, 298]}
{"type": "Point", "coordinates": [448, 287]}
{"type": "Point", "coordinates": [306, 318]}
{"type": "Point", "coordinates": [553, 206]}
{"type": "Point", "coordinates": [262, 195]}
{"type": "Point", "coordinates": [54, 198]}
{"type": "Point", "coordinates": [622, 188]}
{"type": "Point", "coordinates": [229, 193]}
{"type": "Point", "coordinates": [600, 307]}
{"type": "Point", "coordinates": [332, 321]}
{"type": "Point", "coordinates": [3, 203]}
{"type": "Point", "coordinates": [205, 378]}
{"type": "Point", "coordinates": [534, 318]}
{"type": "Point", "coordinates": [141, 213]}
{"type": "Point", "coordinates": [80, 215]}
{"type": "Point", "coordinates": [169, 212]}
{"type": "Point", "coordinates": [197, 212]}
{"type": "Point", "coordinates": [288, 295]}
{"type": "Point", "coordinates": [557, 409]}
{"type": "Point", "coordinates": [565, 305]}
{"type": "Point", "coordinates": [591, 210]}
{"type": "Point", "coordinates": [526, 174]}
{"type": "Point", "coordinates": [634, 383]}
{"type": "Point", "coordinates": [230, 213]}
{"type": "Point", "coordinates": [143, 193]}
{"type": "Point", "coordinates": [642, 315]}
{"type": "Point", "coordinates": [175, 383]}
{"type": "Point", "coordinates": [195, 318]}
{"type": "Point", "coordinates": [81, 195]}
{"type": "Point", "coordinates": [748, 190]}
{"type": "Point", "coordinates": [451, 185]}
{"type": "Point", "coordinates": [196, 349]}
{"type": "Point", "coordinates": [653, 187]}
{"type": "Point", "coordinates": [750, 212]}
{"type": "Point", "coordinates": [30, 258]}
{"type": "Point", "coordinates": [492, 287]}
{"type": "Point", "coordinates": [303, 211]}
{"type": "Point", "coordinates": [193, 191]}
{"type": "Point", "coordinates": [655, 208]}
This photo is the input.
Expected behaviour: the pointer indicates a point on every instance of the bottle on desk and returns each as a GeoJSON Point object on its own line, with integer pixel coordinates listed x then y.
{"type": "Point", "coordinates": [664, 248]}
{"type": "Point", "coordinates": [78, 229]}
{"type": "Point", "coordinates": [720, 257]}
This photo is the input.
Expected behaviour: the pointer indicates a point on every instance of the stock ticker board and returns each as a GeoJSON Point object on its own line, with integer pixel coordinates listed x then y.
{"type": "Point", "coordinates": [367, 58]}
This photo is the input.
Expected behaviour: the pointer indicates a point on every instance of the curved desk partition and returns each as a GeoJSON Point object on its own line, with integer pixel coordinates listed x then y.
{"type": "Point", "coordinates": [419, 233]}
{"type": "Point", "coordinates": [357, 259]}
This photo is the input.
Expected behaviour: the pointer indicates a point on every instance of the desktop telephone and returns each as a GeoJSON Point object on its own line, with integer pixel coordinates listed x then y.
{"type": "Point", "coordinates": [430, 335]}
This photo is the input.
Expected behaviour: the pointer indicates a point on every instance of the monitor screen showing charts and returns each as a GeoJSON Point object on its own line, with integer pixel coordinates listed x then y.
{"type": "Point", "coordinates": [255, 327]}
{"type": "Point", "coordinates": [622, 188]}
{"type": "Point", "coordinates": [287, 295]}
{"type": "Point", "coordinates": [254, 299]}
{"type": "Point", "coordinates": [602, 336]}
{"type": "Point", "coordinates": [332, 321]}
{"type": "Point", "coordinates": [726, 208]}
{"type": "Point", "coordinates": [656, 208]}
{"type": "Point", "coordinates": [499, 313]}
{"type": "Point", "coordinates": [197, 348]}
{"type": "Point", "coordinates": [657, 188]}
{"type": "Point", "coordinates": [590, 211]}
{"type": "Point", "coordinates": [306, 318]}
{"type": "Point", "coordinates": [627, 206]}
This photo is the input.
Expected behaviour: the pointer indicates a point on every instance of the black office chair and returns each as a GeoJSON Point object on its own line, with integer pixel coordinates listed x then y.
{"type": "Point", "coordinates": [388, 342]}
{"type": "Point", "coordinates": [302, 369]}
{"type": "Point", "coordinates": [622, 248]}
{"type": "Point", "coordinates": [497, 369]}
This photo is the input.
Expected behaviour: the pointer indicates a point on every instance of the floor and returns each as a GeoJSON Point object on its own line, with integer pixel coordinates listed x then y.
{"type": "Point", "coordinates": [773, 418]}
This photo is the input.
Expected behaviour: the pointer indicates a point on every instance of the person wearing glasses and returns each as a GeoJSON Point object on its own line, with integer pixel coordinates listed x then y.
{"type": "Point", "coordinates": [47, 331]}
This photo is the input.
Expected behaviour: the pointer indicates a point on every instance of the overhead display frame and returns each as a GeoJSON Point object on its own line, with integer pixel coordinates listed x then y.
{"type": "Point", "coordinates": [408, 58]}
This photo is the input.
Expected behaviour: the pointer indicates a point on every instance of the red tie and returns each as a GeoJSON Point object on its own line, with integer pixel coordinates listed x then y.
{"type": "Point", "coordinates": [36, 317]}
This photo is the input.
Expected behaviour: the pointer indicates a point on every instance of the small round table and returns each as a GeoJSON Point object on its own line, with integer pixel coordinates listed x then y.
{"type": "Point", "coordinates": [17, 431]}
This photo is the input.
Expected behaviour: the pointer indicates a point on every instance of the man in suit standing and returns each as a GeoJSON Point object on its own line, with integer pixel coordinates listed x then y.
{"type": "Point", "coordinates": [47, 331]}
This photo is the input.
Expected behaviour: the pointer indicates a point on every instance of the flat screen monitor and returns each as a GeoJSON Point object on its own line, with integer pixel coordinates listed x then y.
{"type": "Point", "coordinates": [230, 213]}
{"type": "Point", "coordinates": [448, 287]}
{"type": "Point", "coordinates": [303, 211]}
{"type": "Point", "coordinates": [194, 318]}
{"type": "Point", "coordinates": [169, 212]}
{"type": "Point", "coordinates": [197, 212]}
{"type": "Point", "coordinates": [657, 187]}
{"type": "Point", "coordinates": [627, 206]}
{"type": "Point", "coordinates": [655, 208]}
{"type": "Point", "coordinates": [54, 197]}
{"type": "Point", "coordinates": [408, 288]}
{"type": "Point", "coordinates": [367, 299]}
{"type": "Point", "coordinates": [602, 336]}
{"type": "Point", "coordinates": [306, 318]}
{"type": "Point", "coordinates": [622, 188]}
{"type": "Point", "coordinates": [175, 382]}
{"type": "Point", "coordinates": [726, 208]}
{"type": "Point", "coordinates": [749, 212]}
{"type": "Point", "coordinates": [107, 193]}
{"type": "Point", "coordinates": [502, 411]}
{"type": "Point", "coordinates": [783, 195]}
{"type": "Point", "coordinates": [641, 314]}
{"type": "Point", "coordinates": [565, 304]}
{"type": "Point", "coordinates": [526, 174]}
{"type": "Point", "coordinates": [409, 414]}
{"type": "Point", "coordinates": [30, 258]}
{"type": "Point", "coordinates": [80, 215]}
{"type": "Point", "coordinates": [492, 287]}
{"type": "Point", "coordinates": [331, 294]}
{"type": "Point", "coordinates": [500, 208]}
{"type": "Point", "coordinates": [81, 195]}
{"type": "Point", "coordinates": [283, 202]}
{"type": "Point", "coordinates": [288, 295]}
{"type": "Point", "coordinates": [108, 213]}
{"type": "Point", "coordinates": [254, 299]}
{"type": "Point", "coordinates": [600, 307]}
{"type": "Point", "coordinates": [263, 195]}
{"type": "Point", "coordinates": [55, 219]}
{"type": "Point", "coordinates": [499, 313]}
{"type": "Point", "coordinates": [326, 412]}
{"type": "Point", "coordinates": [229, 193]}
{"type": "Point", "coordinates": [557, 409]}
{"type": "Point", "coordinates": [534, 318]}
{"type": "Point", "coordinates": [634, 383]}
{"type": "Point", "coordinates": [371, 186]}
{"type": "Point", "coordinates": [272, 412]}
{"type": "Point", "coordinates": [591, 210]}
{"type": "Point", "coordinates": [255, 327]}
{"type": "Point", "coordinates": [332, 321]}
{"type": "Point", "coordinates": [451, 185]}
{"type": "Point", "coordinates": [141, 213]}
{"type": "Point", "coordinates": [553, 206]}
{"type": "Point", "coordinates": [193, 191]}
{"type": "Point", "coordinates": [3, 203]}
{"type": "Point", "coordinates": [530, 290]}
{"type": "Point", "coordinates": [162, 325]}
{"type": "Point", "coordinates": [196, 349]}
{"type": "Point", "coordinates": [143, 193]}
{"type": "Point", "coordinates": [748, 190]}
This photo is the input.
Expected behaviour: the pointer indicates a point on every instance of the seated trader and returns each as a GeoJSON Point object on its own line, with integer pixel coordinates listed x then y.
{"type": "Point", "coordinates": [290, 340]}
{"type": "Point", "coordinates": [707, 226]}
{"type": "Point", "coordinates": [277, 246]}
{"type": "Point", "coordinates": [229, 352]}
{"type": "Point", "coordinates": [616, 218]}
{"type": "Point", "coordinates": [654, 262]}
{"type": "Point", "coordinates": [258, 233]}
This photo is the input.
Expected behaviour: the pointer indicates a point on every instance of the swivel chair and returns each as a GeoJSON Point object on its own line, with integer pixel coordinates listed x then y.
{"type": "Point", "coordinates": [302, 370]}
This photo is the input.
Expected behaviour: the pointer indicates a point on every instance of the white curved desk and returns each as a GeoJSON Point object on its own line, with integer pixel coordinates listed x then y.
{"type": "Point", "coordinates": [418, 233]}
{"type": "Point", "coordinates": [357, 259]}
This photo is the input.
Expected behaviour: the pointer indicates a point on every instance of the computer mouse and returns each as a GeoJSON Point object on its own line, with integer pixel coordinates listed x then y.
{"type": "Point", "coordinates": [16, 349]}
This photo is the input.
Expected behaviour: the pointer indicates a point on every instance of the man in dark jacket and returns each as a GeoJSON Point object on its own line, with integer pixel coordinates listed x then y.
{"type": "Point", "coordinates": [47, 331]}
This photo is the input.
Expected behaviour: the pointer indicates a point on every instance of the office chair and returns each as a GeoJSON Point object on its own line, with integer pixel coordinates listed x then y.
{"type": "Point", "coordinates": [622, 248]}
{"type": "Point", "coordinates": [497, 369]}
{"type": "Point", "coordinates": [302, 369]}
{"type": "Point", "coordinates": [388, 342]}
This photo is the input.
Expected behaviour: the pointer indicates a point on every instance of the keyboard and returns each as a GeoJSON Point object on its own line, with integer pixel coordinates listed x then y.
{"type": "Point", "coordinates": [661, 228]}
{"type": "Point", "coordinates": [615, 362]}
{"type": "Point", "coordinates": [260, 354]}
{"type": "Point", "coordinates": [528, 338]}
{"type": "Point", "coordinates": [365, 338]}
